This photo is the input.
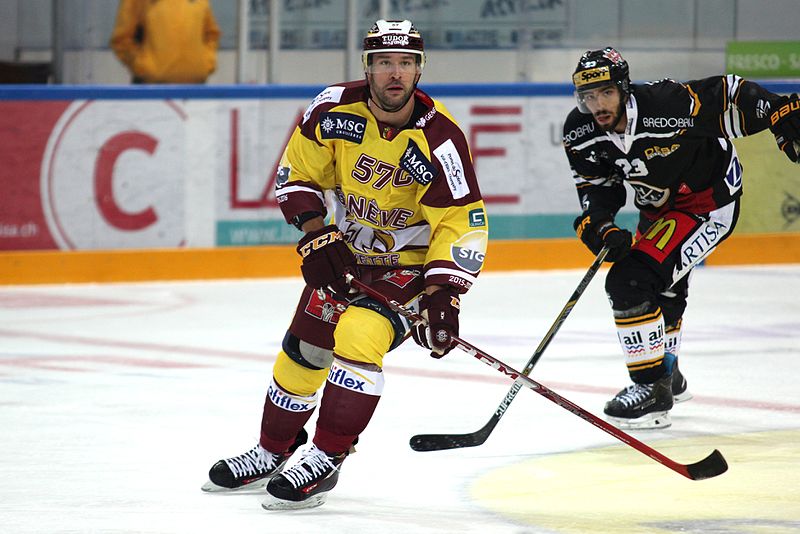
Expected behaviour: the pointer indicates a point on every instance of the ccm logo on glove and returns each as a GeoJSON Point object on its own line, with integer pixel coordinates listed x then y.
{"type": "Point", "coordinates": [319, 242]}
{"type": "Point", "coordinates": [327, 260]}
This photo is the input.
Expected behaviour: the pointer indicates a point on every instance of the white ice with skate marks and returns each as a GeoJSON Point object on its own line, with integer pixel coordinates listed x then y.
{"type": "Point", "coordinates": [115, 400]}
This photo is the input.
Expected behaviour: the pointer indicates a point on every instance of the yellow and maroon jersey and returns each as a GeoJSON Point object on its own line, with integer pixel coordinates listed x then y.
{"type": "Point", "coordinates": [401, 196]}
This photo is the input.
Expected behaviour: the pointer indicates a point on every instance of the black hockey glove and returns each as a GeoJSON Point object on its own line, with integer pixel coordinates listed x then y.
{"type": "Point", "coordinates": [595, 235]}
{"type": "Point", "coordinates": [326, 260]}
{"type": "Point", "coordinates": [440, 309]}
{"type": "Point", "coordinates": [785, 125]}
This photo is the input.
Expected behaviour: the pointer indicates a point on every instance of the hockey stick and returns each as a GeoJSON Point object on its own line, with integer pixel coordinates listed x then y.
{"type": "Point", "coordinates": [438, 442]}
{"type": "Point", "coordinates": [712, 465]}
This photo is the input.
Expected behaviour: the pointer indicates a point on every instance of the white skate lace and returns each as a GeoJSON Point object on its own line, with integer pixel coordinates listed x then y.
{"type": "Point", "coordinates": [635, 394]}
{"type": "Point", "coordinates": [313, 463]}
{"type": "Point", "coordinates": [253, 462]}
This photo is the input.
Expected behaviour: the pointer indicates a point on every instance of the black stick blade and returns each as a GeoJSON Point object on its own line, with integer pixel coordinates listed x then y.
{"type": "Point", "coordinates": [441, 442]}
{"type": "Point", "coordinates": [712, 465]}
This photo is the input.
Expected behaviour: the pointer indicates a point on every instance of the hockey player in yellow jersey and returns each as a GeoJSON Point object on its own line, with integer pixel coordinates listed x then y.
{"type": "Point", "coordinates": [379, 178]}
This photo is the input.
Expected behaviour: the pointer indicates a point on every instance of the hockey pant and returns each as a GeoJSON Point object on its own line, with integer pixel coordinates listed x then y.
{"type": "Point", "coordinates": [341, 346]}
{"type": "Point", "coordinates": [648, 288]}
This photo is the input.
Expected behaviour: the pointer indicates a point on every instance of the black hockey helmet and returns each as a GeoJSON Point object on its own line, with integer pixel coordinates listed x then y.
{"type": "Point", "coordinates": [598, 68]}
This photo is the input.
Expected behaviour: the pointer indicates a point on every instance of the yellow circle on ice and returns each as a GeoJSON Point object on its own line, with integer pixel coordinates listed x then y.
{"type": "Point", "coordinates": [617, 489]}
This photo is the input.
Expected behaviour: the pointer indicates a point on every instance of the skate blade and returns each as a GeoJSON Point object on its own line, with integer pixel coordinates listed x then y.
{"type": "Point", "coordinates": [653, 420]}
{"type": "Point", "coordinates": [253, 487]}
{"type": "Point", "coordinates": [275, 504]}
{"type": "Point", "coordinates": [682, 397]}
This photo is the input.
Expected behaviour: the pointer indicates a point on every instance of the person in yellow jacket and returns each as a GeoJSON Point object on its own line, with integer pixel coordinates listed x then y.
{"type": "Point", "coordinates": [166, 41]}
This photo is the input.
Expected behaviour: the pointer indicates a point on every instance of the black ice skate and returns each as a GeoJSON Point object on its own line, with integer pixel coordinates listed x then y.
{"type": "Point", "coordinates": [305, 484]}
{"type": "Point", "coordinates": [680, 393]}
{"type": "Point", "coordinates": [642, 405]}
{"type": "Point", "coordinates": [251, 470]}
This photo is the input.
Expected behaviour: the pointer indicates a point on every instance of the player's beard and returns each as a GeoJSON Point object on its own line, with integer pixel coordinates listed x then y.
{"type": "Point", "coordinates": [389, 102]}
{"type": "Point", "coordinates": [610, 118]}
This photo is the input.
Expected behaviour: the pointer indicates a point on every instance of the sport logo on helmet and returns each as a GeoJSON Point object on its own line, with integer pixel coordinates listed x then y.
{"type": "Point", "coordinates": [395, 40]}
{"type": "Point", "coordinates": [585, 77]}
{"type": "Point", "coordinates": [613, 56]}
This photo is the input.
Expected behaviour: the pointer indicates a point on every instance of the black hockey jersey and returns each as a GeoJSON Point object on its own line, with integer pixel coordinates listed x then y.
{"type": "Point", "coordinates": [676, 151]}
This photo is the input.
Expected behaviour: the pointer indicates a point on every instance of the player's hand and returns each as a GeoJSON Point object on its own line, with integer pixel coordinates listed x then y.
{"type": "Point", "coordinates": [326, 260]}
{"type": "Point", "coordinates": [596, 235]}
{"type": "Point", "coordinates": [440, 309]}
{"type": "Point", "coordinates": [785, 125]}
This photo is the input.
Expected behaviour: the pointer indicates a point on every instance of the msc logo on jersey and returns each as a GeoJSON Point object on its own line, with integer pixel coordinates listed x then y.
{"type": "Point", "coordinates": [417, 165]}
{"type": "Point", "coordinates": [342, 126]}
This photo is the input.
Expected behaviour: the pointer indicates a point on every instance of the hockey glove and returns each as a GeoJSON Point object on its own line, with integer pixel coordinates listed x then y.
{"type": "Point", "coordinates": [326, 260]}
{"type": "Point", "coordinates": [440, 309]}
{"type": "Point", "coordinates": [785, 125]}
{"type": "Point", "coordinates": [595, 235]}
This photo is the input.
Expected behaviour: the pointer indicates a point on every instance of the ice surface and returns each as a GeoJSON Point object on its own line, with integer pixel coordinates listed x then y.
{"type": "Point", "coordinates": [116, 399]}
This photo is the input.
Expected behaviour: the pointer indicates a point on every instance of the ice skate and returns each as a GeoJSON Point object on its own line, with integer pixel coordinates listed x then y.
{"type": "Point", "coordinates": [680, 392]}
{"type": "Point", "coordinates": [305, 484]}
{"type": "Point", "coordinates": [641, 406]}
{"type": "Point", "coordinates": [251, 470]}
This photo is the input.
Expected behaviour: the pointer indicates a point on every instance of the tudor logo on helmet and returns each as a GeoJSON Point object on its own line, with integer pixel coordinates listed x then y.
{"type": "Point", "coordinates": [395, 40]}
{"type": "Point", "coordinates": [393, 36]}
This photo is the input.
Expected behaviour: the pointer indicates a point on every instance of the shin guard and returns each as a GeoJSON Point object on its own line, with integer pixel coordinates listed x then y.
{"type": "Point", "coordinates": [642, 340]}
{"type": "Point", "coordinates": [283, 416]}
{"type": "Point", "coordinates": [348, 402]}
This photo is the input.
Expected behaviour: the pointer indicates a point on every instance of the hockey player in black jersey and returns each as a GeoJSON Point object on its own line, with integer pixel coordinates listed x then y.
{"type": "Point", "coordinates": [671, 143]}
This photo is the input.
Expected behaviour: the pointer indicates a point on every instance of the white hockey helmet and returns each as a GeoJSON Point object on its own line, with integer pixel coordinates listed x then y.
{"type": "Point", "coordinates": [393, 36]}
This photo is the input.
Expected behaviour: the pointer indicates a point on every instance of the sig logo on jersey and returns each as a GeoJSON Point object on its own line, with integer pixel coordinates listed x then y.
{"type": "Point", "coordinates": [342, 126]}
{"type": "Point", "coordinates": [469, 251]}
{"type": "Point", "coordinates": [417, 165]}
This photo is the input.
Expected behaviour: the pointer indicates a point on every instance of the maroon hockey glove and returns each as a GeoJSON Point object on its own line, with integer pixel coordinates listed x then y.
{"type": "Point", "coordinates": [785, 125]}
{"type": "Point", "coordinates": [326, 260]}
{"type": "Point", "coordinates": [441, 311]}
{"type": "Point", "coordinates": [595, 235]}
